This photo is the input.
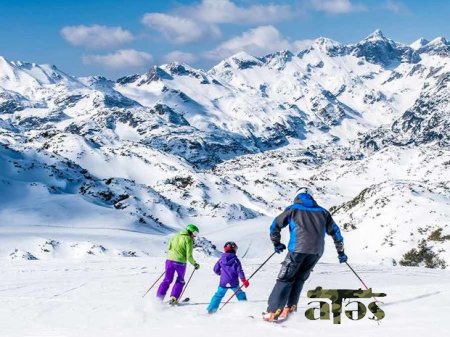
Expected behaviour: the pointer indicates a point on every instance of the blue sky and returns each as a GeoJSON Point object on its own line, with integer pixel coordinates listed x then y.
{"type": "Point", "coordinates": [119, 37]}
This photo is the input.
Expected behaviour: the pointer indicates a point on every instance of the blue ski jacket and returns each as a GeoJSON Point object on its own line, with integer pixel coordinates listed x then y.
{"type": "Point", "coordinates": [308, 223]}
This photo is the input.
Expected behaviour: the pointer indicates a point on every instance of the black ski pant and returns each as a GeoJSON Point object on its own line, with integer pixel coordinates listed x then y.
{"type": "Point", "coordinates": [295, 270]}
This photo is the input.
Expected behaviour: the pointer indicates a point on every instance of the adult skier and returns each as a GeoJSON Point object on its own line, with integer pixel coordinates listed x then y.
{"type": "Point", "coordinates": [180, 251]}
{"type": "Point", "coordinates": [308, 223]}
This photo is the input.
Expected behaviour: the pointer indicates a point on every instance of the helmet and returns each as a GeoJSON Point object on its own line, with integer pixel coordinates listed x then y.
{"type": "Point", "coordinates": [230, 246]}
{"type": "Point", "coordinates": [192, 229]}
{"type": "Point", "coordinates": [306, 190]}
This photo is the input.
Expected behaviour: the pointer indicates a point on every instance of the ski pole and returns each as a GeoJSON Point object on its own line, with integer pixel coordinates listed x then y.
{"type": "Point", "coordinates": [187, 283]}
{"type": "Point", "coordinates": [234, 294]}
{"type": "Point", "coordinates": [367, 288]}
{"type": "Point", "coordinates": [153, 284]}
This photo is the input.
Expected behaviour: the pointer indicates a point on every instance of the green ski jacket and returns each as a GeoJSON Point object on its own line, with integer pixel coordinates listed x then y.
{"type": "Point", "coordinates": [180, 248]}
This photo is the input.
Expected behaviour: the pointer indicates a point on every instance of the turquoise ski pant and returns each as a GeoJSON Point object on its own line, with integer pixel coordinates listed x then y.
{"type": "Point", "coordinates": [218, 296]}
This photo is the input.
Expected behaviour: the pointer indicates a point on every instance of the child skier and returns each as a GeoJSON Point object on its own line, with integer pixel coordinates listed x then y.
{"type": "Point", "coordinates": [230, 270]}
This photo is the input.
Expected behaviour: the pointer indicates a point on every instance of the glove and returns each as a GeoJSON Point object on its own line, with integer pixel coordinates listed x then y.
{"type": "Point", "coordinates": [196, 266]}
{"type": "Point", "coordinates": [342, 257]}
{"type": "Point", "coordinates": [279, 247]}
{"type": "Point", "coordinates": [245, 282]}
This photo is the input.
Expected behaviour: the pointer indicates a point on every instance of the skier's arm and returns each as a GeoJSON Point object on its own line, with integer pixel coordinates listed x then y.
{"type": "Point", "coordinates": [278, 224]}
{"type": "Point", "coordinates": [189, 248]}
{"type": "Point", "coordinates": [240, 270]}
{"type": "Point", "coordinates": [333, 230]}
{"type": "Point", "coordinates": [217, 268]}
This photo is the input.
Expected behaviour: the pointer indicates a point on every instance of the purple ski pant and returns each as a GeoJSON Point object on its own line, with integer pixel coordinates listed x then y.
{"type": "Point", "coordinates": [171, 268]}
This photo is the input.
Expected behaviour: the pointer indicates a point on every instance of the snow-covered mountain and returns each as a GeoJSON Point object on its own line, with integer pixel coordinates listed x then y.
{"type": "Point", "coordinates": [366, 125]}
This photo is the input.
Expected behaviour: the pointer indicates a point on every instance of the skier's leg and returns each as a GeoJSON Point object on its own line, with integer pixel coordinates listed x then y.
{"type": "Point", "coordinates": [240, 295]}
{"type": "Point", "coordinates": [280, 293]}
{"type": "Point", "coordinates": [216, 299]}
{"type": "Point", "coordinates": [179, 282]}
{"type": "Point", "coordinates": [302, 275]}
{"type": "Point", "coordinates": [168, 278]}
{"type": "Point", "coordinates": [278, 296]}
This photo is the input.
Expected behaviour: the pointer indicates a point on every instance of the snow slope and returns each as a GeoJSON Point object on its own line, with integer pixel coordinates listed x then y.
{"type": "Point", "coordinates": [104, 298]}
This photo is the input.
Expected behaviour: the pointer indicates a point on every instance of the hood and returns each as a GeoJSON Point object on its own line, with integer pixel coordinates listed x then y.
{"type": "Point", "coordinates": [305, 199]}
{"type": "Point", "coordinates": [185, 232]}
{"type": "Point", "coordinates": [228, 258]}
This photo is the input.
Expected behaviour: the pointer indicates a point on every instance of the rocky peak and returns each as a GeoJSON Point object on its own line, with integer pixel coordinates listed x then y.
{"type": "Point", "coordinates": [278, 59]}
{"type": "Point", "coordinates": [329, 46]}
{"type": "Point", "coordinates": [419, 43]}
{"type": "Point", "coordinates": [378, 49]}
{"type": "Point", "coordinates": [377, 35]}
{"type": "Point", "coordinates": [438, 46]}
{"type": "Point", "coordinates": [182, 69]}
{"type": "Point", "coordinates": [439, 41]}
{"type": "Point", "coordinates": [6, 68]}
{"type": "Point", "coordinates": [243, 60]}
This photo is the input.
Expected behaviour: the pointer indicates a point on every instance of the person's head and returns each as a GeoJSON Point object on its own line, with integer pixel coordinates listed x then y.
{"type": "Point", "coordinates": [305, 197]}
{"type": "Point", "coordinates": [230, 247]}
{"type": "Point", "coordinates": [192, 230]}
{"type": "Point", "coordinates": [304, 190]}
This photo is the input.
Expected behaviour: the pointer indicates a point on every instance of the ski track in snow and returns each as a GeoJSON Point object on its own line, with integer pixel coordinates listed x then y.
{"type": "Point", "coordinates": [69, 290]}
{"type": "Point", "coordinates": [104, 298]}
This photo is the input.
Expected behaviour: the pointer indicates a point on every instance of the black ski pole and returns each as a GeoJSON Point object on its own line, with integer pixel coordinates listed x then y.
{"type": "Point", "coordinates": [153, 284]}
{"type": "Point", "coordinates": [234, 294]}
{"type": "Point", "coordinates": [187, 283]}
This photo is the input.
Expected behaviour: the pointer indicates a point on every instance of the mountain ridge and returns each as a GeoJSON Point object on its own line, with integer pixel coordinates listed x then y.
{"type": "Point", "coordinates": [152, 151]}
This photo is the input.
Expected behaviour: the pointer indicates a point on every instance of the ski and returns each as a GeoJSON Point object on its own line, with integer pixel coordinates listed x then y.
{"type": "Point", "coordinates": [277, 320]}
{"type": "Point", "coordinates": [183, 302]}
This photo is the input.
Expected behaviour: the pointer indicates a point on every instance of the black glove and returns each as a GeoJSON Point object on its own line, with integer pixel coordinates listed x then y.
{"type": "Point", "coordinates": [279, 247]}
{"type": "Point", "coordinates": [342, 257]}
{"type": "Point", "coordinates": [196, 266]}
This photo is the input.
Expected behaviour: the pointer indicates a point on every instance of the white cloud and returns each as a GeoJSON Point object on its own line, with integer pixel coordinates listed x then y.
{"type": "Point", "coordinates": [179, 56]}
{"type": "Point", "coordinates": [96, 36]}
{"type": "Point", "coordinates": [192, 23]}
{"type": "Point", "coordinates": [395, 6]}
{"type": "Point", "coordinates": [302, 44]}
{"type": "Point", "coordinates": [124, 58]}
{"type": "Point", "coordinates": [336, 6]}
{"type": "Point", "coordinates": [225, 11]}
{"type": "Point", "coordinates": [179, 29]}
{"type": "Point", "coordinates": [257, 41]}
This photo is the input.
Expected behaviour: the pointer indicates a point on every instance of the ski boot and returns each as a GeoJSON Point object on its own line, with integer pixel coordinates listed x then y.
{"type": "Point", "coordinates": [173, 301]}
{"type": "Point", "coordinates": [272, 316]}
{"type": "Point", "coordinates": [287, 311]}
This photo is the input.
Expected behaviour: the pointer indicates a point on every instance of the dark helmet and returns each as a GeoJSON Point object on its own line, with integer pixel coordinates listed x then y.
{"type": "Point", "coordinates": [230, 246]}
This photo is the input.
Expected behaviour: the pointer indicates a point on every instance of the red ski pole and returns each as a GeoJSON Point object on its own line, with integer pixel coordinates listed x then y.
{"type": "Point", "coordinates": [367, 288]}
{"type": "Point", "coordinates": [151, 287]}
{"type": "Point", "coordinates": [234, 294]}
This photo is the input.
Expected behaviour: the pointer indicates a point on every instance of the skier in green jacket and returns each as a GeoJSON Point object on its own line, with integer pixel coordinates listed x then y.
{"type": "Point", "coordinates": [180, 251]}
